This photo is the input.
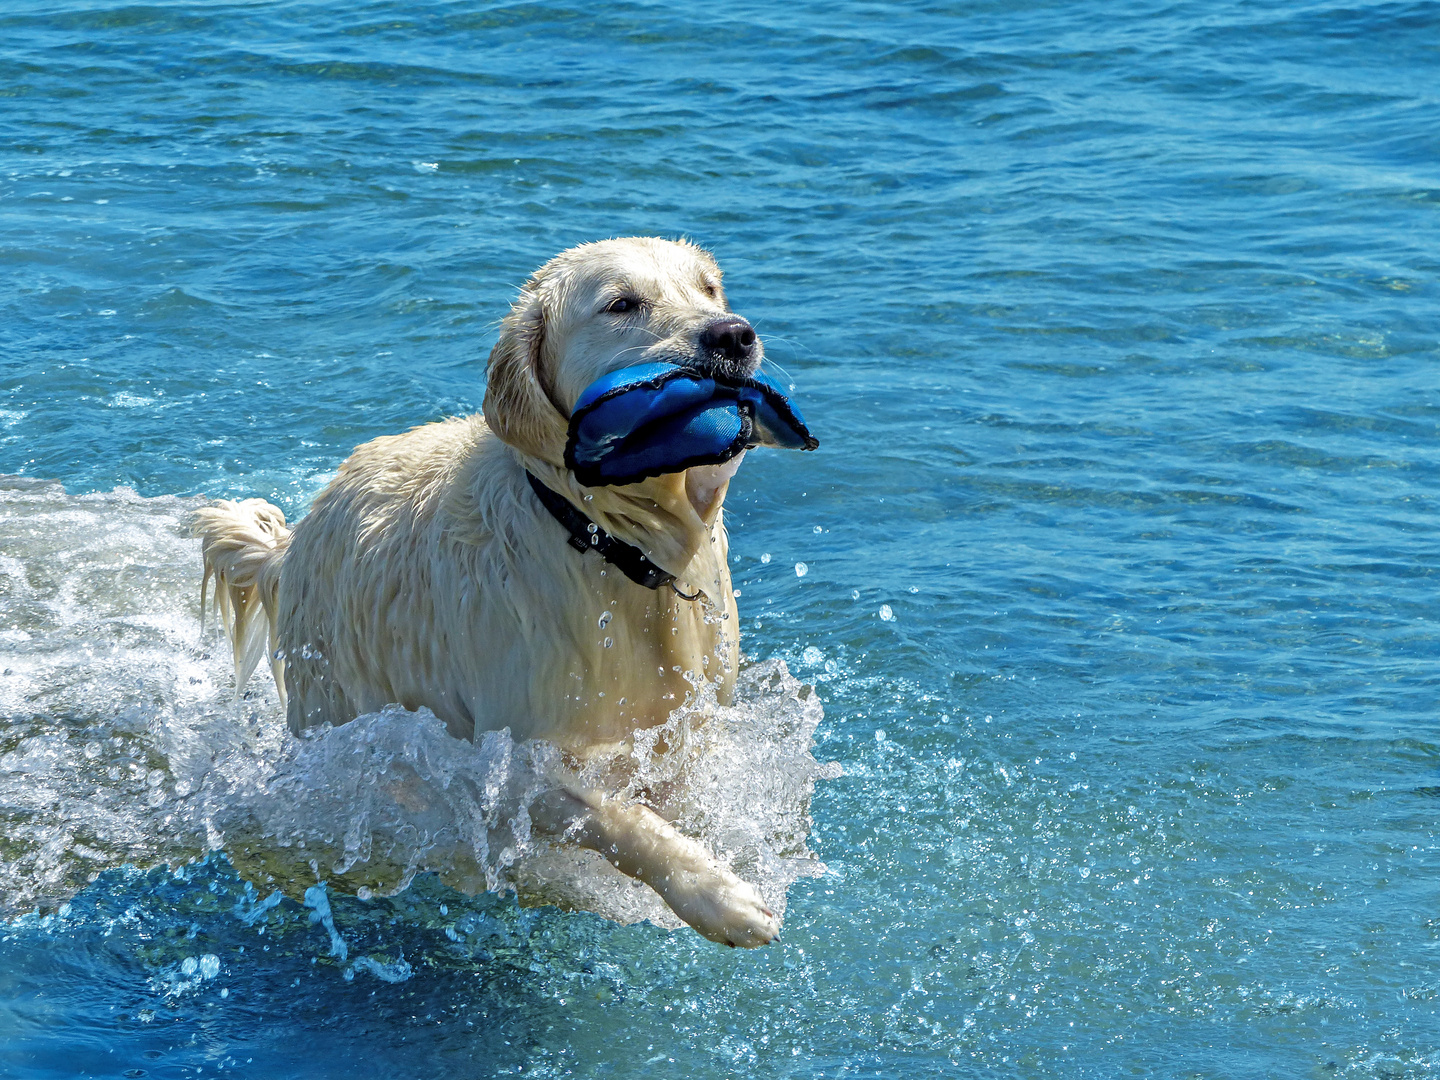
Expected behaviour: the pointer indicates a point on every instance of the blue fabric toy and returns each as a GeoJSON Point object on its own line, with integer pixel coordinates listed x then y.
{"type": "Point", "coordinates": [661, 418]}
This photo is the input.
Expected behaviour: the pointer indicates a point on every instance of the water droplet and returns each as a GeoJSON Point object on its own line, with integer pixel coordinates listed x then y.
{"type": "Point", "coordinates": [605, 617]}
{"type": "Point", "coordinates": [879, 734]}
{"type": "Point", "coordinates": [914, 588]}
{"type": "Point", "coordinates": [209, 966]}
{"type": "Point", "coordinates": [854, 594]}
{"type": "Point", "coordinates": [609, 642]}
{"type": "Point", "coordinates": [765, 558]}
{"type": "Point", "coordinates": [812, 656]}
{"type": "Point", "coordinates": [1084, 871]}
{"type": "Point", "coordinates": [818, 529]}
{"type": "Point", "coordinates": [444, 909]}
{"type": "Point", "coordinates": [92, 751]}
{"type": "Point", "coordinates": [886, 614]}
{"type": "Point", "coordinates": [189, 965]}
{"type": "Point", "coordinates": [594, 539]}
{"type": "Point", "coordinates": [801, 569]}
{"type": "Point", "coordinates": [592, 528]}
{"type": "Point", "coordinates": [622, 701]}
{"type": "Point", "coordinates": [363, 892]}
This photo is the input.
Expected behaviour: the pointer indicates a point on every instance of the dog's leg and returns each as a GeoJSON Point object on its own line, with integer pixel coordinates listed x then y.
{"type": "Point", "coordinates": [642, 844]}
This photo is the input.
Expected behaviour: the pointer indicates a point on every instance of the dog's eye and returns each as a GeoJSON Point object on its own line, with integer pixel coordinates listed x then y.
{"type": "Point", "coordinates": [622, 305]}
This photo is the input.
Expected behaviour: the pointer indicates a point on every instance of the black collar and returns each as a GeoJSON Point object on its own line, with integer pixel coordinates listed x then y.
{"type": "Point", "coordinates": [585, 535]}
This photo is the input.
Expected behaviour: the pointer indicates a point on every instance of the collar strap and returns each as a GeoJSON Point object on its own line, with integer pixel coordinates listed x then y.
{"type": "Point", "coordinates": [585, 535]}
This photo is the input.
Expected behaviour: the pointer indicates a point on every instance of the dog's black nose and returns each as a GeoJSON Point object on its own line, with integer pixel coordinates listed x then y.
{"type": "Point", "coordinates": [729, 341]}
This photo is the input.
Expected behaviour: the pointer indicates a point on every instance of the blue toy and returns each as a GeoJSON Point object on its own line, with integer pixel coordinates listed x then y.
{"type": "Point", "coordinates": [661, 418]}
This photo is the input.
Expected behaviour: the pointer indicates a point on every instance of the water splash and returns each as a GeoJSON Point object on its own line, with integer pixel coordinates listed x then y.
{"type": "Point", "coordinates": [123, 745]}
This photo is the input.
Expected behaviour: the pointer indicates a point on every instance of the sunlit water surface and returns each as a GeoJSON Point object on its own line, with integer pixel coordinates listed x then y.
{"type": "Point", "coordinates": [1114, 575]}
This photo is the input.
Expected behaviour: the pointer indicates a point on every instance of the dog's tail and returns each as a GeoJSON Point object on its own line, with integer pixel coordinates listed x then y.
{"type": "Point", "coordinates": [243, 545]}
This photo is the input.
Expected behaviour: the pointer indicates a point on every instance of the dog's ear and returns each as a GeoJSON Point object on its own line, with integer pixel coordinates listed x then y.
{"type": "Point", "coordinates": [517, 406]}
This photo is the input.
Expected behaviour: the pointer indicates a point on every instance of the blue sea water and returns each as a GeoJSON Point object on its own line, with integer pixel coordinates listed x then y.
{"type": "Point", "coordinates": [1119, 324]}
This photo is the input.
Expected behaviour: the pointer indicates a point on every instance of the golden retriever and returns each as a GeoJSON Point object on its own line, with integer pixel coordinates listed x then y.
{"type": "Point", "coordinates": [429, 572]}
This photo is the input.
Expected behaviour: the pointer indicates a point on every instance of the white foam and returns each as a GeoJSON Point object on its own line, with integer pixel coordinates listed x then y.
{"type": "Point", "coordinates": [122, 744]}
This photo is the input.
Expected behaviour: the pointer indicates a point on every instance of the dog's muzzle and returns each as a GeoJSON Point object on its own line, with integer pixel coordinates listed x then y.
{"type": "Point", "coordinates": [728, 345]}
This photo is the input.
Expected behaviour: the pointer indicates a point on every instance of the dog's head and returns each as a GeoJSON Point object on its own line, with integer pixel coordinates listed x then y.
{"type": "Point", "coordinates": [600, 307]}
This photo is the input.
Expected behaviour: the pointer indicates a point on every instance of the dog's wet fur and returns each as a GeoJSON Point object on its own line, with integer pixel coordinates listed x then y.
{"type": "Point", "coordinates": [429, 574]}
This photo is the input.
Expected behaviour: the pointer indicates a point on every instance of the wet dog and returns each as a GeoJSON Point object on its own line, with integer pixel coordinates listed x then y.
{"type": "Point", "coordinates": [431, 572]}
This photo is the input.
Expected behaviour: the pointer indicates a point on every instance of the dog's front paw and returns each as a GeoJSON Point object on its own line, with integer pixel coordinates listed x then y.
{"type": "Point", "coordinates": [721, 906]}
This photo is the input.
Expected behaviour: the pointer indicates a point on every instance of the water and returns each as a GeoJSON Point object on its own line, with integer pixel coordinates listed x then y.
{"type": "Point", "coordinates": [1118, 326]}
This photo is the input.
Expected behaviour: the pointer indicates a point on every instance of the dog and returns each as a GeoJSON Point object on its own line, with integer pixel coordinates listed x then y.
{"type": "Point", "coordinates": [431, 571]}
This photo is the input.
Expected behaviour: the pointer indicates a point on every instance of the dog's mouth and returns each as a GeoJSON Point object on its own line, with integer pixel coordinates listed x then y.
{"type": "Point", "coordinates": [730, 369]}
{"type": "Point", "coordinates": [706, 365]}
